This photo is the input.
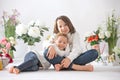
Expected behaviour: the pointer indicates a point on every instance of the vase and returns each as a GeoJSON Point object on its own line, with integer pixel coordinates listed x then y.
{"type": "Point", "coordinates": [9, 31]}
{"type": "Point", "coordinates": [117, 60]}
{"type": "Point", "coordinates": [97, 47]}
{"type": "Point", "coordinates": [5, 61]}
{"type": "Point", "coordinates": [110, 48]}
{"type": "Point", "coordinates": [111, 58]}
{"type": "Point", "coordinates": [111, 54]}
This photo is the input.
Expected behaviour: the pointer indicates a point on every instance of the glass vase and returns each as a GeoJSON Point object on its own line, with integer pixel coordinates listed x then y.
{"type": "Point", "coordinates": [110, 48]}
{"type": "Point", "coordinates": [97, 47]}
{"type": "Point", "coordinates": [117, 60]}
{"type": "Point", "coordinates": [9, 31]}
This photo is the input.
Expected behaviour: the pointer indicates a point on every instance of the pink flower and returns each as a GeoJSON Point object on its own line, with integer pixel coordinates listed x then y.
{"type": "Point", "coordinates": [3, 41]}
{"type": "Point", "coordinates": [8, 45]}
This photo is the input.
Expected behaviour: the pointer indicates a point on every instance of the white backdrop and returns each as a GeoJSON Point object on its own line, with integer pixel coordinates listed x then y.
{"type": "Point", "coordinates": [86, 15]}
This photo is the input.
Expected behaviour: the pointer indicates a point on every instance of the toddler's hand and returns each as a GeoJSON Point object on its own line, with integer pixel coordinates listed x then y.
{"type": "Point", "coordinates": [66, 62]}
{"type": "Point", "coordinates": [51, 53]}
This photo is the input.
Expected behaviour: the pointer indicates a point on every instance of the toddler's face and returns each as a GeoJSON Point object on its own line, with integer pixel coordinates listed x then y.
{"type": "Point", "coordinates": [61, 42]}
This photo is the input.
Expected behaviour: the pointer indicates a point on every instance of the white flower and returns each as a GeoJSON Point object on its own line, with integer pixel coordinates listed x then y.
{"type": "Point", "coordinates": [21, 29]}
{"type": "Point", "coordinates": [12, 40]}
{"type": "Point", "coordinates": [107, 34]}
{"type": "Point", "coordinates": [30, 33]}
{"type": "Point", "coordinates": [34, 32]}
{"type": "Point", "coordinates": [101, 35]}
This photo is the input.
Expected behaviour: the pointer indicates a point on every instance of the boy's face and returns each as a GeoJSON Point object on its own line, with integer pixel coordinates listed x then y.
{"type": "Point", "coordinates": [61, 42]}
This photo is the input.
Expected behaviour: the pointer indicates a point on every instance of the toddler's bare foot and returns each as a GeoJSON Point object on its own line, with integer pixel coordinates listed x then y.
{"type": "Point", "coordinates": [16, 71]}
{"type": "Point", "coordinates": [58, 67]}
{"type": "Point", "coordinates": [11, 69]}
{"type": "Point", "coordinates": [82, 67]}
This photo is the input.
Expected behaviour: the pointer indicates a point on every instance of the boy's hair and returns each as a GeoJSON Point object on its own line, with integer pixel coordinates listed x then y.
{"type": "Point", "coordinates": [61, 34]}
{"type": "Point", "coordinates": [68, 23]}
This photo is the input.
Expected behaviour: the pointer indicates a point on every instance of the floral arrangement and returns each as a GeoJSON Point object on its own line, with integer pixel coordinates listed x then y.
{"type": "Point", "coordinates": [30, 33]}
{"type": "Point", "coordinates": [6, 46]}
{"type": "Point", "coordinates": [110, 33]}
{"type": "Point", "coordinates": [9, 22]}
{"type": "Point", "coordinates": [93, 38]}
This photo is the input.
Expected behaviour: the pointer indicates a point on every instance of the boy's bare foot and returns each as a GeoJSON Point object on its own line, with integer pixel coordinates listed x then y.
{"type": "Point", "coordinates": [58, 67]}
{"type": "Point", "coordinates": [82, 67]}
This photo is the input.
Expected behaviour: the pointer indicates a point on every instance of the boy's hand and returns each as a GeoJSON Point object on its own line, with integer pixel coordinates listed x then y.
{"type": "Point", "coordinates": [51, 52]}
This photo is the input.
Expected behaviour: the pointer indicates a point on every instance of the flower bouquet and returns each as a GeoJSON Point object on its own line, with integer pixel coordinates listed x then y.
{"type": "Point", "coordinates": [6, 46]}
{"type": "Point", "coordinates": [30, 33]}
{"type": "Point", "coordinates": [92, 39]}
{"type": "Point", "coordinates": [110, 33]}
{"type": "Point", "coordinates": [9, 22]}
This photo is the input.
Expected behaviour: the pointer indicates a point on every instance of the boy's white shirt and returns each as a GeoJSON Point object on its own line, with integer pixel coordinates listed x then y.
{"type": "Point", "coordinates": [74, 45]}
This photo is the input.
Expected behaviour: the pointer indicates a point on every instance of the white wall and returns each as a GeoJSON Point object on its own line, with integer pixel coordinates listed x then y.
{"type": "Point", "coordinates": [86, 15]}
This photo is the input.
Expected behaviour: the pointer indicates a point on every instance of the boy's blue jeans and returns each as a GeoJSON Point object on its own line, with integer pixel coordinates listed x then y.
{"type": "Point", "coordinates": [82, 59]}
{"type": "Point", "coordinates": [31, 63]}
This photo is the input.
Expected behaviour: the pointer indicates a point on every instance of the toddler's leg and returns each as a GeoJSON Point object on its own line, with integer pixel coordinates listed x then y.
{"type": "Point", "coordinates": [55, 60]}
{"type": "Point", "coordinates": [13, 69]}
{"type": "Point", "coordinates": [16, 70]}
{"type": "Point", "coordinates": [30, 60]}
{"type": "Point", "coordinates": [58, 67]}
